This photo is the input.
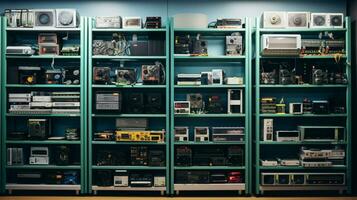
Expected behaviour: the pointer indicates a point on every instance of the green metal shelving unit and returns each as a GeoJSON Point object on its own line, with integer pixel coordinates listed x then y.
{"type": "Point", "coordinates": [1, 66]}
{"type": "Point", "coordinates": [259, 144]}
{"type": "Point", "coordinates": [5, 88]}
{"type": "Point", "coordinates": [174, 89]}
{"type": "Point", "coordinates": [92, 188]}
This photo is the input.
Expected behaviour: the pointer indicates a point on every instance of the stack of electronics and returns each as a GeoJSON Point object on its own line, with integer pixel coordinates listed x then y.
{"type": "Point", "coordinates": [152, 22]}
{"type": "Point", "coordinates": [44, 103]}
{"type": "Point", "coordinates": [60, 155]}
{"type": "Point", "coordinates": [303, 133]}
{"type": "Point", "coordinates": [48, 44]}
{"type": "Point", "coordinates": [204, 177]}
{"type": "Point", "coordinates": [137, 103]}
{"type": "Point", "coordinates": [153, 74]}
{"type": "Point", "coordinates": [138, 156]}
{"type": "Point", "coordinates": [195, 103]}
{"type": "Point", "coordinates": [201, 134]}
{"type": "Point", "coordinates": [269, 105]}
{"type": "Point", "coordinates": [131, 130]}
{"type": "Point", "coordinates": [303, 179]}
{"type": "Point", "coordinates": [230, 156]}
{"type": "Point", "coordinates": [195, 46]}
{"type": "Point", "coordinates": [317, 76]}
{"type": "Point", "coordinates": [36, 75]}
{"type": "Point", "coordinates": [120, 46]}
{"type": "Point", "coordinates": [311, 158]}
{"type": "Point", "coordinates": [294, 45]}
{"type": "Point", "coordinates": [48, 177]}
{"type": "Point", "coordinates": [40, 129]}
{"type": "Point", "coordinates": [214, 77]}
{"type": "Point", "coordinates": [278, 19]}
{"type": "Point", "coordinates": [42, 18]}
{"type": "Point", "coordinates": [123, 178]}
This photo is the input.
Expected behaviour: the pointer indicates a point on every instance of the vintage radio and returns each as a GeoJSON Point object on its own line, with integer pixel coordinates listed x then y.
{"type": "Point", "coordinates": [140, 180]}
{"type": "Point", "coordinates": [159, 181]}
{"type": "Point", "coordinates": [234, 23]}
{"type": "Point", "coordinates": [183, 156]}
{"type": "Point", "coordinates": [234, 81]}
{"type": "Point", "coordinates": [38, 128]}
{"type": "Point", "coordinates": [19, 50]}
{"type": "Point", "coordinates": [29, 75]}
{"type": "Point", "coordinates": [47, 38]}
{"type": "Point", "coordinates": [125, 76]}
{"type": "Point", "coordinates": [307, 106]}
{"type": "Point", "coordinates": [187, 177]}
{"type": "Point", "coordinates": [153, 103]}
{"type": "Point", "coordinates": [190, 20]}
{"type": "Point", "coordinates": [131, 123]}
{"type": "Point", "coordinates": [39, 156]}
{"type": "Point", "coordinates": [281, 44]}
{"type": "Point", "coordinates": [235, 156]}
{"type": "Point", "coordinates": [325, 178]}
{"type": "Point", "coordinates": [152, 74]}
{"type": "Point", "coordinates": [268, 130]}
{"type": "Point", "coordinates": [71, 76]}
{"type": "Point", "coordinates": [19, 18]}
{"type": "Point", "coordinates": [139, 155]}
{"type": "Point", "coordinates": [70, 49]}
{"type": "Point", "coordinates": [319, 76]}
{"type": "Point", "coordinates": [101, 75]}
{"type": "Point", "coordinates": [314, 164]}
{"type": "Point", "coordinates": [181, 133]}
{"type": "Point", "coordinates": [121, 178]}
{"type": "Point", "coordinates": [196, 102]}
{"type": "Point", "coordinates": [326, 20]}
{"type": "Point", "coordinates": [201, 134]}
{"type": "Point", "coordinates": [136, 105]}
{"type": "Point", "coordinates": [44, 18]}
{"type": "Point", "coordinates": [108, 101]}
{"type": "Point", "coordinates": [320, 107]}
{"type": "Point", "coordinates": [153, 22]}
{"type": "Point", "coordinates": [132, 23]}
{"type": "Point", "coordinates": [217, 76]}
{"type": "Point", "coordinates": [321, 133]}
{"type": "Point", "coordinates": [313, 154]}
{"type": "Point", "coordinates": [298, 19]}
{"type": "Point", "coordinates": [280, 107]}
{"type": "Point", "coordinates": [61, 155]}
{"type": "Point", "coordinates": [182, 107]}
{"type": "Point", "coordinates": [108, 22]}
{"type": "Point", "coordinates": [15, 156]}
{"type": "Point", "coordinates": [67, 18]}
{"type": "Point", "coordinates": [48, 49]}
{"type": "Point", "coordinates": [289, 162]}
{"type": "Point", "coordinates": [218, 178]}
{"type": "Point", "coordinates": [287, 135]}
{"type": "Point", "coordinates": [104, 178]}
{"type": "Point", "coordinates": [139, 47]}
{"type": "Point", "coordinates": [214, 104]}
{"type": "Point", "coordinates": [103, 136]}
{"type": "Point", "coordinates": [199, 46]}
{"type": "Point", "coordinates": [274, 19]}
{"type": "Point", "coordinates": [312, 46]}
{"type": "Point", "coordinates": [268, 163]}
{"type": "Point", "coordinates": [336, 46]}
{"type": "Point", "coordinates": [33, 177]}
{"type": "Point", "coordinates": [268, 77]}
{"type": "Point", "coordinates": [71, 134]}
{"type": "Point", "coordinates": [102, 47]}
{"type": "Point", "coordinates": [206, 78]}
{"type": "Point", "coordinates": [268, 105]}
{"type": "Point", "coordinates": [235, 101]}
{"type": "Point", "coordinates": [227, 134]}
{"type": "Point", "coordinates": [295, 108]}
{"type": "Point", "coordinates": [183, 45]}
{"type": "Point", "coordinates": [235, 177]}
{"type": "Point", "coordinates": [188, 79]}
{"type": "Point", "coordinates": [286, 76]}
{"type": "Point", "coordinates": [53, 76]}
{"type": "Point", "coordinates": [234, 44]}
{"type": "Point", "coordinates": [131, 135]}
{"type": "Point", "coordinates": [156, 158]}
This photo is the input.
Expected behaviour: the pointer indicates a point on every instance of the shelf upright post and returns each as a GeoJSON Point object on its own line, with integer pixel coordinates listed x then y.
{"type": "Point", "coordinates": [3, 105]}
{"type": "Point", "coordinates": [168, 107]}
{"type": "Point", "coordinates": [172, 98]}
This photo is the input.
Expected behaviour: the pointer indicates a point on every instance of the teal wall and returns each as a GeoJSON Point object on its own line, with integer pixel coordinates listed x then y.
{"type": "Point", "coordinates": [213, 8]}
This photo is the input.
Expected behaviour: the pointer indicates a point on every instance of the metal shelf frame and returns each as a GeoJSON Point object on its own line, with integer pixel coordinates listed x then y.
{"type": "Point", "coordinates": [259, 188]}
{"type": "Point", "coordinates": [246, 60]}
{"type": "Point", "coordinates": [91, 86]}
{"type": "Point", "coordinates": [5, 87]}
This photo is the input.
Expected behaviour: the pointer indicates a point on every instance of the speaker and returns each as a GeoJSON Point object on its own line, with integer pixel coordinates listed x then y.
{"type": "Point", "coordinates": [153, 104]}
{"type": "Point", "coordinates": [135, 103]}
